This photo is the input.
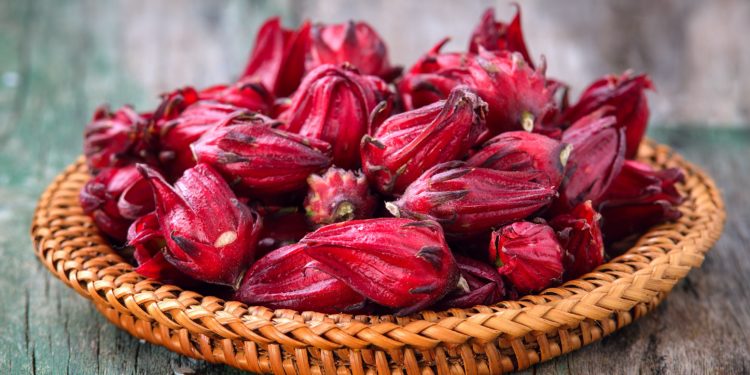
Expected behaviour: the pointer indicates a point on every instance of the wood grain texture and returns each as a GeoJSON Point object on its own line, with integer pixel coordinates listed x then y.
{"type": "Point", "coordinates": [58, 60]}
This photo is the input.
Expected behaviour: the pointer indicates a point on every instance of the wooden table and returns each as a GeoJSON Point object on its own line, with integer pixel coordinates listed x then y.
{"type": "Point", "coordinates": [54, 68]}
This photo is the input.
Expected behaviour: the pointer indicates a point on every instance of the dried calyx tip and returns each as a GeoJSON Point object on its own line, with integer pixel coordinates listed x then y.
{"type": "Point", "coordinates": [393, 209]}
{"type": "Point", "coordinates": [373, 141]}
{"type": "Point", "coordinates": [527, 121]}
{"type": "Point", "coordinates": [463, 285]}
{"type": "Point", "coordinates": [565, 154]}
{"type": "Point", "coordinates": [226, 238]}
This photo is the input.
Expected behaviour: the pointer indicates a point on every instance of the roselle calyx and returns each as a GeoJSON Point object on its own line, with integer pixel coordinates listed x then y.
{"type": "Point", "coordinates": [432, 77]}
{"type": "Point", "coordinates": [245, 94]}
{"type": "Point", "coordinates": [480, 284]}
{"type": "Point", "coordinates": [278, 57]}
{"type": "Point", "coordinates": [398, 263]}
{"type": "Point", "coordinates": [176, 135]}
{"type": "Point", "coordinates": [114, 198]}
{"type": "Point", "coordinates": [149, 245]}
{"type": "Point", "coordinates": [580, 236]}
{"type": "Point", "coordinates": [338, 195]}
{"type": "Point", "coordinates": [250, 95]}
{"type": "Point", "coordinates": [260, 159]}
{"type": "Point", "coordinates": [518, 96]}
{"type": "Point", "coordinates": [173, 103]}
{"type": "Point", "coordinates": [625, 96]}
{"type": "Point", "coordinates": [528, 255]}
{"type": "Point", "coordinates": [114, 139]}
{"type": "Point", "coordinates": [522, 151]}
{"type": "Point", "coordinates": [335, 104]}
{"type": "Point", "coordinates": [469, 200]}
{"type": "Point", "coordinates": [596, 159]}
{"type": "Point", "coordinates": [355, 43]}
{"type": "Point", "coordinates": [435, 60]}
{"type": "Point", "coordinates": [287, 278]}
{"type": "Point", "coordinates": [210, 235]}
{"type": "Point", "coordinates": [493, 35]}
{"type": "Point", "coordinates": [638, 198]}
{"type": "Point", "coordinates": [407, 144]}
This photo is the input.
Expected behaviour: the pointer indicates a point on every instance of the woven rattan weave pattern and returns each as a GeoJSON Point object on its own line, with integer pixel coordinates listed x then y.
{"type": "Point", "coordinates": [483, 340]}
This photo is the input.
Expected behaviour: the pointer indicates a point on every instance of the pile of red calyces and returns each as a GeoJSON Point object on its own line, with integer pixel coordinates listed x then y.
{"type": "Point", "coordinates": [327, 179]}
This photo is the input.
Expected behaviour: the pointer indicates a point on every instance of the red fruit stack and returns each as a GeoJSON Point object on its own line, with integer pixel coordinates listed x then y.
{"type": "Point", "coordinates": [323, 179]}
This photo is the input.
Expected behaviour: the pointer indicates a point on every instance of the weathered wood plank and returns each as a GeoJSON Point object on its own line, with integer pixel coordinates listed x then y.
{"type": "Point", "coordinates": [15, 333]}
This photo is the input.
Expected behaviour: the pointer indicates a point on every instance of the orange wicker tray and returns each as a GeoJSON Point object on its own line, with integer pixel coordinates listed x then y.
{"type": "Point", "coordinates": [484, 340]}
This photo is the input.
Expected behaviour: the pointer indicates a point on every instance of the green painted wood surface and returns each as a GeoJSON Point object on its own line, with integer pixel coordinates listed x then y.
{"type": "Point", "coordinates": [59, 59]}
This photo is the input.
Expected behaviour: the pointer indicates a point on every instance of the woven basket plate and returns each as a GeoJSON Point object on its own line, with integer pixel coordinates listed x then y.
{"type": "Point", "coordinates": [483, 340]}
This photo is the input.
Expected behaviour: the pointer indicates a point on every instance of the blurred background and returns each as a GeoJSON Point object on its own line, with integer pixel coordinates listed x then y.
{"type": "Point", "coordinates": [129, 51]}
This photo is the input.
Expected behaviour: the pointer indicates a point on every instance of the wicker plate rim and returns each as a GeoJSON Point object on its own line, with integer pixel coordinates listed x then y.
{"type": "Point", "coordinates": [67, 243]}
